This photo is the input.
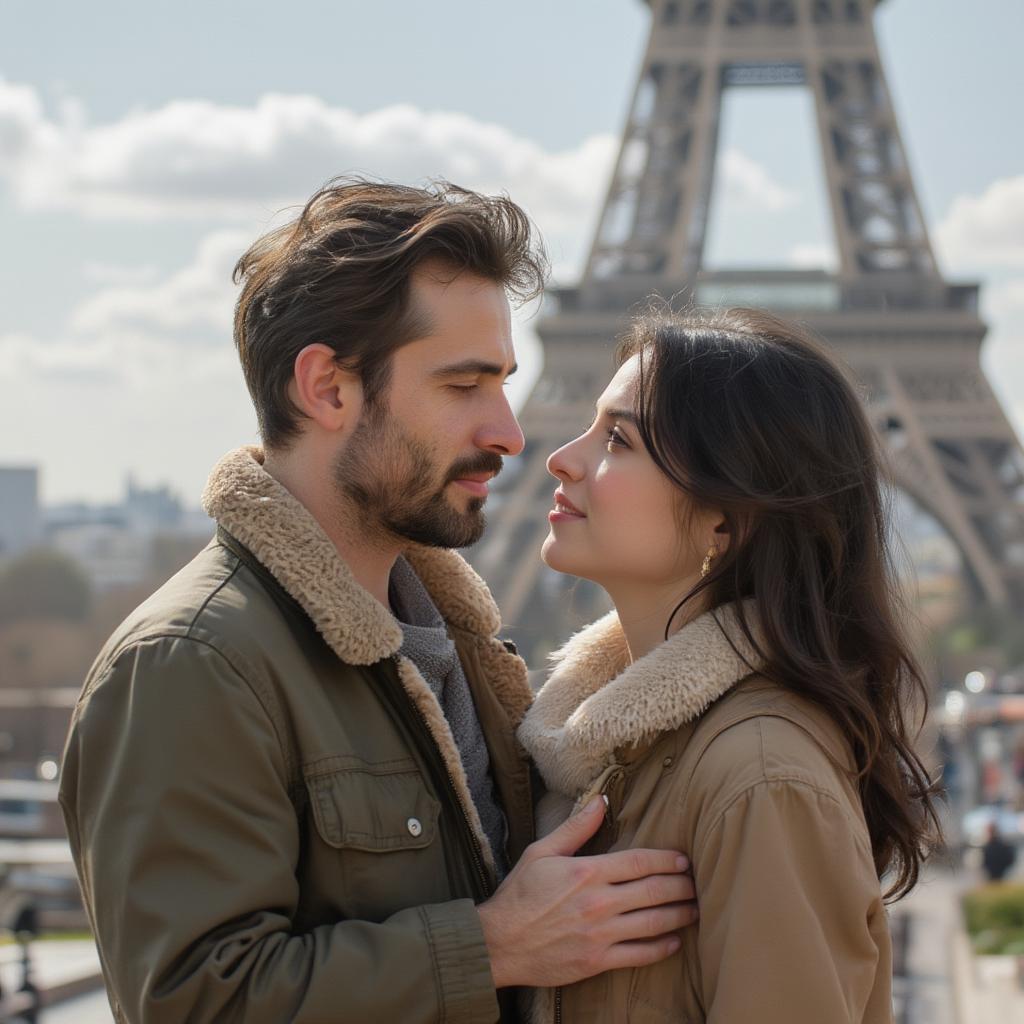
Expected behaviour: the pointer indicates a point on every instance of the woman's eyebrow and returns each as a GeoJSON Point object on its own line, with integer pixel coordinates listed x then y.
{"type": "Point", "coordinates": [621, 414]}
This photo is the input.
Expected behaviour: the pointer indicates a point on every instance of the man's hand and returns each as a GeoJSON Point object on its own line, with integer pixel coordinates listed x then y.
{"type": "Point", "coordinates": [556, 919]}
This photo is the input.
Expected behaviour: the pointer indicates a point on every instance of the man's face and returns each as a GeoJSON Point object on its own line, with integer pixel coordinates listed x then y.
{"type": "Point", "coordinates": [417, 464]}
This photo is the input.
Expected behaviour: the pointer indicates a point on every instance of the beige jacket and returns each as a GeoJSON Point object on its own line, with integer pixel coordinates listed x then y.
{"type": "Point", "coordinates": [696, 752]}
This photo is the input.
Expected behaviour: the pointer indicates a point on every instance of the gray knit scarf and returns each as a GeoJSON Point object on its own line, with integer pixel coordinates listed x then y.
{"type": "Point", "coordinates": [428, 646]}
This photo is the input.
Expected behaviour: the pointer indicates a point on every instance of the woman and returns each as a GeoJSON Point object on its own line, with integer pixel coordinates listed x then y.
{"type": "Point", "coordinates": [747, 699]}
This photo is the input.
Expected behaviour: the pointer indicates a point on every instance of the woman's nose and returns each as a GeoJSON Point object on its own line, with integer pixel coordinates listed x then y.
{"type": "Point", "coordinates": [565, 464]}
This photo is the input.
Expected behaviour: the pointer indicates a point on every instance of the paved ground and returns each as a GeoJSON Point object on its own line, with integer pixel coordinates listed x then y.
{"type": "Point", "coordinates": [53, 963]}
{"type": "Point", "coordinates": [925, 992]}
{"type": "Point", "coordinates": [90, 1009]}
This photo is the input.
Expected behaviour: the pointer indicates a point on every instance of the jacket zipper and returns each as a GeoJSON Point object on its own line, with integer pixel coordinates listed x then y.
{"type": "Point", "coordinates": [476, 854]}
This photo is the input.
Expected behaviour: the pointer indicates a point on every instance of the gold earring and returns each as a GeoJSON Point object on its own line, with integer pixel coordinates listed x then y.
{"type": "Point", "coordinates": [705, 568]}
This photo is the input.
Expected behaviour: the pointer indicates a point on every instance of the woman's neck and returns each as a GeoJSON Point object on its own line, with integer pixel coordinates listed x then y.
{"type": "Point", "coordinates": [644, 612]}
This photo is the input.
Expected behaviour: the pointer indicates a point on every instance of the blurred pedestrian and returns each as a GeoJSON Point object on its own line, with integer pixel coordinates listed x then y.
{"type": "Point", "coordinates": [997, 855]}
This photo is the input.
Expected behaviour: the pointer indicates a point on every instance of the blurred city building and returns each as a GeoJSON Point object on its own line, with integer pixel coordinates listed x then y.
{"type": "Point", "coordinates": [20, 517]}
{"type": "Point", "coordinates": [74, 573]}
{"type": "Point", "coordinates": [114, 543]}
{"type": "Point", "coordinates": [68, 574]}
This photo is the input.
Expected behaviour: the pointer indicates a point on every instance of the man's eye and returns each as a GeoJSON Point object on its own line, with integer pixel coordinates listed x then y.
{"type": "Point", "coordinates": [464, 387]}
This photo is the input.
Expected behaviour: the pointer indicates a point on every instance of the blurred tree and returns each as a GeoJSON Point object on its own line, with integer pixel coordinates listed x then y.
{"type": "Point", "coordinates": [169, 553]}
{"type": "Point", "coordinates": [987, 634]}
{"type": "Point", "coordinates": [44, 584]}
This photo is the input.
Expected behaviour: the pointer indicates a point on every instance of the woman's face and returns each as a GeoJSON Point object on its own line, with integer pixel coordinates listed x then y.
{"type": "Point", "coordinates": [616, 517]}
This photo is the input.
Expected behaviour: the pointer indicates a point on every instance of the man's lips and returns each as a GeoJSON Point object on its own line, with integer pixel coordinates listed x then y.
{"type": "Point", "coordinates": [475, 483]}
{"type": "Point", "coordinates": [564, 509]}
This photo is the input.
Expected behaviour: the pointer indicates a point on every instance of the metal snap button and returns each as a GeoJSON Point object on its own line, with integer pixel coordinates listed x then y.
{"type": "Point", "coordinates": [414, 827]}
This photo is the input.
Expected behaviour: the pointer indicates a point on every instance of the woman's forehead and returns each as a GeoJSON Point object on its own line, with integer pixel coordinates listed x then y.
{"type": "Point", "coordinates": [621, 389]}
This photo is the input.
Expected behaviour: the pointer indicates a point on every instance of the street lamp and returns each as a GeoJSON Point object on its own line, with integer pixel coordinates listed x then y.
{"type": "Point", "coordinates": [975, 681]}
{"type": "Point", "coordinates": [955, 702]}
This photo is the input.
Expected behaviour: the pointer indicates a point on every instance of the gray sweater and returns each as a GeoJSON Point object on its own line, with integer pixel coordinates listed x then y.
{"type": "Point", "coordinates": [428, 646]}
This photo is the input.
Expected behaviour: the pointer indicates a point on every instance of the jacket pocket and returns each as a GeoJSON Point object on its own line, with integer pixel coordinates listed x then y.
{"type": "Point", "coordinates": [374, 808]}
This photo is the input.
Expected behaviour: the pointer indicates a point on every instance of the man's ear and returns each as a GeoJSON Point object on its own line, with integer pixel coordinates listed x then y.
{"type": "Point", "coordinates": [323, 390]}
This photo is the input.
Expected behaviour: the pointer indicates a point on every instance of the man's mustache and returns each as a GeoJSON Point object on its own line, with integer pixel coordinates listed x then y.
{"type": "Point", "coordinates": [485, 462]}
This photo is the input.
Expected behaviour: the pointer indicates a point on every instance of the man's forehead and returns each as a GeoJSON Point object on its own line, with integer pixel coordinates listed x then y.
{"type": "Point", "coordinates": [444, 355]}
{"type": "Point", "coordinates": [465, 320]}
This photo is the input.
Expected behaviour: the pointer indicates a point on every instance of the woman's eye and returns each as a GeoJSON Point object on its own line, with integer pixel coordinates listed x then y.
{"type": "Point", "coordinates": [615, 439]}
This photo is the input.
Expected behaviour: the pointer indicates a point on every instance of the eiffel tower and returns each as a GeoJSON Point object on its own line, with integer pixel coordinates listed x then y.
{"type": "Point", "coordinates": [911, 337]}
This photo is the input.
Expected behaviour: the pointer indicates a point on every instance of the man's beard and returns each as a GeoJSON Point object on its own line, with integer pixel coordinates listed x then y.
{"type": "Point", "coordinates": [395, 486]}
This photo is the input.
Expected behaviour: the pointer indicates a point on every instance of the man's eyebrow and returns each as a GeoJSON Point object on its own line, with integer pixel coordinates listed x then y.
{"type": "Point", "coordinates": [469, 367]}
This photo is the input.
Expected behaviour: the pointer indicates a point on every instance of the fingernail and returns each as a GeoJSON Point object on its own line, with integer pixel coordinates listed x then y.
{"type": "Point", "coordinates": [594, 804]}
{"type": "Point", "coordinates": [682, 862]}
{"type": "Point", "coordinates": [674, 943]}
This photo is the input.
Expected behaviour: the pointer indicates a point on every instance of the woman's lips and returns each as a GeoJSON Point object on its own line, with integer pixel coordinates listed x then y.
{"type": "Point", "coordinates": [564, 510]}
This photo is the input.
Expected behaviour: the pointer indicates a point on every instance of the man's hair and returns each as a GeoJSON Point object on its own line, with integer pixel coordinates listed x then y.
{"type": "Point", "coordinates": [340, 274]}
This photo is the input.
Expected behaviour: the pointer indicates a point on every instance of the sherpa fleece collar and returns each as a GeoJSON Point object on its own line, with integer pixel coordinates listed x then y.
{"type": "Point", "coordinates": [278, 529]}
{"type": "Point", "coordinates": [281, 532]}
{"type": "Point", "coordinates": [596, 702]}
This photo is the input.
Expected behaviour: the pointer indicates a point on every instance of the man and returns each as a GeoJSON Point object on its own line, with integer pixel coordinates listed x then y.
{"type": "Point", "coordinates": [292, 786]}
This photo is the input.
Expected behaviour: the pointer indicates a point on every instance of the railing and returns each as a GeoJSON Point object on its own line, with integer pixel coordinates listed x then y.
{"type": "Point", "coordinates": [23, 1004]}
{"type": "Point", "coordinates": [799, 292]}
{"type": "Point", "coordinates": [903, 1010]}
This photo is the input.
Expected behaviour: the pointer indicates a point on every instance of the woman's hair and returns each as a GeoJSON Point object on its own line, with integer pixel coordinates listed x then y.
{"type": "Point", "coordinates": [747, 414]}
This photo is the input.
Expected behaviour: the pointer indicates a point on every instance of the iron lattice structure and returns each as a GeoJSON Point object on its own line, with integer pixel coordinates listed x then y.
{"type": "Point", "coordinates": [913, 339]}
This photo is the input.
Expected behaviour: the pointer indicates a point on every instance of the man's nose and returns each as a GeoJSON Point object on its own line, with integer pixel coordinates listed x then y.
{"type": "Point", "coordinates": [503, 434]}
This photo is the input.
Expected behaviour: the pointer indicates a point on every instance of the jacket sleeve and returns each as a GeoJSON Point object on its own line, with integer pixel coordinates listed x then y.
{"type": "Point", "coordinates": [175, 793]}
{"type": "Point", "coordinates": [792, 924]}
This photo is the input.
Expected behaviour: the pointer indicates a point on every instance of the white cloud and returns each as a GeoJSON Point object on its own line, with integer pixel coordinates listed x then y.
{"type": "Point", "coordinates": [88, 410]}
{"type": "Point", "coordinates": [24, 129]}
{"type": "Point", "coordinates": [117, 390]}
{"type": "Point", "coordinates": [1003, 353]}
{"type": "Point", "coordinates": [100, 273]}
{"type": "Point", "coordinates": [1005, 299]}
{"type": "Point", "coordinates": [814, 256]}
{"type": "Point", "coordinates": [984, 230]}
{"type": "Point", "coordinates": [748, 182]}
{"type": "Point", "coordinates": [154, 352]}
{"type": "Point", "coordinates": [196, 158]}
{"type": "Point", "coordinates": [200, 296]}
{"type": "Point", "coordinates": [982, 237]}
{"type": "Point", "coordinates": [210, 162]}
{"type": "Point", "coordinates": [145, 376]}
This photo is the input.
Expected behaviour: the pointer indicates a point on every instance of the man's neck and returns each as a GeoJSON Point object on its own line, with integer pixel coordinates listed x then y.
{"type": "Point", "coordinates": [370, 558]}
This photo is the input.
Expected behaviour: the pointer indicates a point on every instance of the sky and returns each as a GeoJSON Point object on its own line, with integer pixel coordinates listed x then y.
{"type": "Point", "coordinates": [144, 146]}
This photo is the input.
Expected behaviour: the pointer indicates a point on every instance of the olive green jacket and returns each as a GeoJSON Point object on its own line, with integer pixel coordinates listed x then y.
{"type": "Point", "coordinates": [266, 807]}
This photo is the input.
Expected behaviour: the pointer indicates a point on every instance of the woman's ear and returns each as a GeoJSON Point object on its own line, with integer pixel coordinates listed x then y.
{"type": "Point", "coordinates": [717, 531]}
{"type": "Point", "coordinates": [722, 535]}
{"type": "Point", "coordinates": [324, 391]}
